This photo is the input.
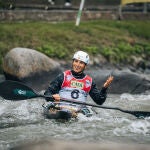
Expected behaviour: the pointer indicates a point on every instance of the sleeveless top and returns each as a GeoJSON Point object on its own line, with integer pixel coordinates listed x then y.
{"type": "Point", "coordinates": [73, 88]}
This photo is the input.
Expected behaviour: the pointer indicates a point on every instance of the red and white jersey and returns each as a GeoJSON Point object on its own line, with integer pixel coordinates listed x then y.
{"type": "Point", "coordinates": [73, 88]}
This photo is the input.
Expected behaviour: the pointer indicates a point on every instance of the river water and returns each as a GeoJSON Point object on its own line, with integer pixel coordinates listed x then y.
{"type": "Point", "coordinates": [23, 121]}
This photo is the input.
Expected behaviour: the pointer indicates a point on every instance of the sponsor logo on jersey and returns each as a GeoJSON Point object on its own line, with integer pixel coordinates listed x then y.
{"type": "Point", "coordinates": [77, 84]}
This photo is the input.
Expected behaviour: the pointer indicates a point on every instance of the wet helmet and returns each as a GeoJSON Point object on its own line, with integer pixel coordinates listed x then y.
{"type": "Point", "coordinates": [82, 56]}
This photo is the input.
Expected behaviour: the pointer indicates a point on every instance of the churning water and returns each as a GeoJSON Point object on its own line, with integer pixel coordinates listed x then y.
{"type": "Point", "coordinates": [23, 121]}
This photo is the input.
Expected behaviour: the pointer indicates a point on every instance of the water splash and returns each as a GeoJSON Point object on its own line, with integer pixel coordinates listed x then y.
{"type": "Point", "coordinates": [21, 121]}
{"type": "Point", "coordinates": [127, 96]}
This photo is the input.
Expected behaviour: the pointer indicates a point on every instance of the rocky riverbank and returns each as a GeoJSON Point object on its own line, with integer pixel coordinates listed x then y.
{"type": "Point", "coordinates": [37, 70]}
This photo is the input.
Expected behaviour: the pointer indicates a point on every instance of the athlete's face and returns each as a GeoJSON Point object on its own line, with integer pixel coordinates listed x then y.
{"type": "Point", "coordinates": [78, 66]}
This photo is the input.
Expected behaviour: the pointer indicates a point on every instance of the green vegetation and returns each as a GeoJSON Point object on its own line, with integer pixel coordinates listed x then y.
{"type": "Point", "coordinates": [117, 41]}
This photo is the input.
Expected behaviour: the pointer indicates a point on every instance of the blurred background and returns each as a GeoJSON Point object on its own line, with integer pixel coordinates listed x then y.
{"type": "Point", "coordinates": [73, 4]}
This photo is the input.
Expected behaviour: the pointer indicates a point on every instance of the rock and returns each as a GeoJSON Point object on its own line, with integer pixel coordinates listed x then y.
{"type": "Point", "coordinates": [98, 60]}
{"type": "Point", "coordinates": [125, 81]}
{"type": "Point", "coordinates": [138, 62]}
{"type": "Point", "coordinates": [37, 70]}
{"type": "Point", "coordinates": [2, 78]}
{"type": "Point", "coordinates": [23, 62]}
{"type": "Point", "coordinates": [147, 71]}
{"type": "Point", "coordinates": [30, 67]}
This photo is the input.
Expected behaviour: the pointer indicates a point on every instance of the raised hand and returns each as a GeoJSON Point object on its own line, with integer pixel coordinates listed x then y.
{"type": "Point", "coordinates": [108, 81]}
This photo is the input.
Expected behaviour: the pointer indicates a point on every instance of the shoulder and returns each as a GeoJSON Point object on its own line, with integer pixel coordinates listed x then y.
{"type": "Point", "coordinates": [88, 77]}
{"type": "Point", "coordinates": [67, 72]}
{"type": "Point", "coordinates": [59, 76]}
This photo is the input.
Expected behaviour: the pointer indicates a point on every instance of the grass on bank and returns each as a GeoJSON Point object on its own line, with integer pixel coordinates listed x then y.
{"type": "Point", "coordinates": [117, 41]}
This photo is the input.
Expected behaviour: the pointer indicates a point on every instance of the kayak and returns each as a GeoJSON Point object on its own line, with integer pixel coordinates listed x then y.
{"type": "Point", "coordinates": [65, 111]}
{"type": "Point", "coordinates": [16, 91]}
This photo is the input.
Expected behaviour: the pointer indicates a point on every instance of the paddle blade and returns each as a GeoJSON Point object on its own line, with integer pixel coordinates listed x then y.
{"type": "Point", "coordinates": [140, 114]}
{"type": "Point", "coordinates": [13, 90]}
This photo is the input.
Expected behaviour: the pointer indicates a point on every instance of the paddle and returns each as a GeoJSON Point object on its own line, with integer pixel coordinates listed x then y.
{"type": "Point", "coordinates": [16, 91]}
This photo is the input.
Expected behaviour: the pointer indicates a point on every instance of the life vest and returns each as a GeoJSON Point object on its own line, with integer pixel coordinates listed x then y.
{"type": "Point", "coordinates": [73, 88]}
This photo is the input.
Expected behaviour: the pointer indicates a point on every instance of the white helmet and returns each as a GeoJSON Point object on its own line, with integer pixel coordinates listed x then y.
{"type": "Point", "coordinates": [82, 56]}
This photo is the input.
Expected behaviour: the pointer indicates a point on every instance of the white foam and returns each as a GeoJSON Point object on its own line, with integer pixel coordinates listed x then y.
{"type": "Point", "coordinates": [127, 96]}
{"type": "Point", "coordinates": [140, 127]}
{"type": "Point", "coordinates": [136, 97]}
{"type": "Point", "coordinates": [2, 109]}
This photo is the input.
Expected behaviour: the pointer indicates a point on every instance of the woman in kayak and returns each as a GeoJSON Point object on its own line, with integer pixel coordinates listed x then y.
{"type": "Point", "coordinates": [75, 84]}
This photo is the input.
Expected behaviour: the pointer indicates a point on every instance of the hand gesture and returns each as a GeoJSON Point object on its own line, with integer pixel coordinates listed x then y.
{"type": "Point", "coordinates": [108, 81]}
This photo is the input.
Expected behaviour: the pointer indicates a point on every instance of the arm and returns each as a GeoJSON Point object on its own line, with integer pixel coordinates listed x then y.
{"type": "Point", "coordinates": [55, 85]}
{"type": "Point", "coordinates": [99, 96]}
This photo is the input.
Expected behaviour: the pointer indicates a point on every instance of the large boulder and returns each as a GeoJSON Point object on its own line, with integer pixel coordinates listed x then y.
{"type": "Point", "coordinates": [125, 81]}
{"type": "Point", "coordinates": [30, 66]}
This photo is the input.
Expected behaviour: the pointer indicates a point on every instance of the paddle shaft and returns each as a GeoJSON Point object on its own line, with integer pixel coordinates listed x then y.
{"type": "Point", "coordinates": [139, 114]}
{"type": "Point", "coordinates": [16, 91]}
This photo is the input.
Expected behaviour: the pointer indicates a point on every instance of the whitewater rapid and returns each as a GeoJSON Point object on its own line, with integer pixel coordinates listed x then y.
{"type": "Point", "coordinates": [23, 121]}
